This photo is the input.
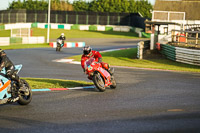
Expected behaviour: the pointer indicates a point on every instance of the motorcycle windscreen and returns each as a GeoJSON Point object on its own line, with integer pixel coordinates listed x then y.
{"type": "Point", "coordinates": [89, 62]}
{"type": "Point", "coordinates": [18, 67]}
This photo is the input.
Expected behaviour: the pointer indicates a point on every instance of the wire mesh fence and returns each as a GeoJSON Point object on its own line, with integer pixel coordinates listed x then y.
{"type": "Point", "coordinates": [72, 17]}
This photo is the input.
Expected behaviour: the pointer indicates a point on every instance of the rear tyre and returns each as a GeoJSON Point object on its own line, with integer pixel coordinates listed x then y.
{"type": "Point", "coordinates": [113, 81]}
{"type": "Point", "coordinates": [99, 82]}
{"type": "Point", "coordinates": [25, 97]}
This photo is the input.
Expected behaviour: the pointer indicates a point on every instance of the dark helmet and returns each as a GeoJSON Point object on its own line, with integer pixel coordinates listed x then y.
{"type": "Point", "coordinates": [2, 53]}
{"type": "Point", "coordinates": [87, 50]}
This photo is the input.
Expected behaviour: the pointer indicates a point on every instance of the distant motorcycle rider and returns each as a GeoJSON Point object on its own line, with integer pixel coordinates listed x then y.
{"type": "Point", "coordinates": [9, 68]}
{"type": "Point", "coordinates": [62, 37]}
{"type": "Point", "coordinates": [89, 53]}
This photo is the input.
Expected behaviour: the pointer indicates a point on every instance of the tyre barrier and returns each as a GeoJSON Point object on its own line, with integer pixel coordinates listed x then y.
{"type": "Point", "coordinates": [183, 55]}
{"type": "Point", "coordinates": [69, 44]}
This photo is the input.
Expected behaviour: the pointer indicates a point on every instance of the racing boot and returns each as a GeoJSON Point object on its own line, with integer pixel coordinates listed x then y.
{"type": "Point", "coordinates": [90, 77]}
{"type": "Point", "coordinates": [111, 70]}
{"type": "Point", "coordinates": [21, 86]}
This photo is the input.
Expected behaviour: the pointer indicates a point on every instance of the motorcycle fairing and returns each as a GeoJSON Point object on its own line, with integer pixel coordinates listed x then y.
{"type": "Point", "coordinates": [4, 87]}
{"type": "Point", "coordinates": [104, 72]}
{"type": "Point", "coordinates": [4, 83]}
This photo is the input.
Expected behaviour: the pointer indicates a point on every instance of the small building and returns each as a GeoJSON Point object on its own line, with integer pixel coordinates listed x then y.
{"type": "Point", "coordinates": [172, 14]}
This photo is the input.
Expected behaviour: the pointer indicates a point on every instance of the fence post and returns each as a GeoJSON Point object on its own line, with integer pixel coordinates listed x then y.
{"type": "Point", "coordinates": [35, 17]}
{"type": "Point", "coordinates": [9, 17]}
{"type": "Point", "coordinates": [66, 21]}
{"type": "Point", "coordinates": [2, 17]}
{"type": "Point", "coordinates": [25, 17]}
{"type": "Point", "coordinates": [186, 39]}
{"type": "Point", "coordinates": [97, 18]}
{"type": "Point", "coordinates": [16, 17]}
{"type": "Point", "coordinates": [140, 50]}
{"type": "Point", "coordinates": [196, 40]}
{"type": "Point", "coordinates": [76, 18]}
{"type": "Point", "coordinates": [56, 18]}
{"type": "Point", "coordinates": [118, 21]}
{"type": "Point", "coordinates": [87, 19]}
{"type": "Point", "coordinates": [173, 36]}
{"type": "Point", "coordinates": [108, 19]}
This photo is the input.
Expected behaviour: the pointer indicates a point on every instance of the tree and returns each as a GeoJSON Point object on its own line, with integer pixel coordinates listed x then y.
{"type": "Point", "coordinates": [80, 5]}
{"type": "Point", "coordinates": [41, 5]}
{"type": "Point", "coordinates": [61, 5]}
{"type": "Point", "coordinates": [121, 6]}
{"type": "Point", "coordinates": [29, 5]}
{"type": "Point", "coordinates": [16, 5]}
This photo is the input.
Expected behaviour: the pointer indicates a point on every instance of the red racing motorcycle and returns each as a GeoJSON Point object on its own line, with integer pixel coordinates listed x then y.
{"type": "Point", "coordinates": [101, 77]}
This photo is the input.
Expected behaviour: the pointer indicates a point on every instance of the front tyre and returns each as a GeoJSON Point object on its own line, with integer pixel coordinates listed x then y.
{"type": "Point", "coordinates": [25, 97]}
{"type": "Point", "coordinates": [99, 82]}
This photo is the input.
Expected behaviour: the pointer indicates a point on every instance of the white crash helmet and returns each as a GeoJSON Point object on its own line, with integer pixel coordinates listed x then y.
{"type": "Point", "coordinates": [62, 34]}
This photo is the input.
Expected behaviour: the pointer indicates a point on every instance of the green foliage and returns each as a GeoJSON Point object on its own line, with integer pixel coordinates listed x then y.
{"type": "Point", "coordinates": [41, 5]}
{"type": "Point", "coordinates": [29, 5]}
{"type": "Point", "coordinates": [61, 5]}
{"type": "Point", "coordinates": [118, 6]}
{"type": "Point", "coordinates": [80, 5]}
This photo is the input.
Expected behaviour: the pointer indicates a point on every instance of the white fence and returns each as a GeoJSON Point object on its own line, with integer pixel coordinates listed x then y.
{"type": "Point", "coordinates": [4, 41]}
{"type": "Point", "coordinates": [33, 40]}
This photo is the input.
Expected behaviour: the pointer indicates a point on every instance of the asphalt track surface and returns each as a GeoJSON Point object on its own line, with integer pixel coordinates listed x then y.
{"type": "Point", "coordinates": [145, 101]}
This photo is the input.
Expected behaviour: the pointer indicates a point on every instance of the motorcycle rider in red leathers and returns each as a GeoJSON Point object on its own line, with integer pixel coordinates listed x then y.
{"type": "Point", "coordinates": [89, 53]}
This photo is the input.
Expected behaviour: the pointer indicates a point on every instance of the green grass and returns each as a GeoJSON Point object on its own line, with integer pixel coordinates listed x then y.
{"type": "Point", "coordinates": [128, 58]}
{"type": "Point", "coordinates": [41, 83]}
{"type": "Point", "coordinates": [4, 33]}
{"type": "Point", "coordinates": [23, 46]}
{"type": "Point", "coordinates": [54, 33]}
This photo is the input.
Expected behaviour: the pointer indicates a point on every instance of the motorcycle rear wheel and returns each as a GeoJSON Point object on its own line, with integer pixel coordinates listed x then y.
{"type": "Point", "coordinates": [25, 99]}
{"type": "Point", "coordinates": [99, 82]}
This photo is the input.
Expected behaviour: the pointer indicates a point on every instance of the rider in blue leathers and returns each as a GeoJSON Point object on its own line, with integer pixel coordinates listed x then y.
{"type": "Point", "coordinates": [9, 68]}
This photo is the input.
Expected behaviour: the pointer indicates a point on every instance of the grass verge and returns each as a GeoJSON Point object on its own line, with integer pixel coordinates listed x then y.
{"type": "Point", "coordinates": [128, 58]}
{"type": "Point", "coordinates": [40, 83]}
{"type": "Point", "coordinates": [24, 46]}
{"type": "Point", "coordinates": [55, 33]}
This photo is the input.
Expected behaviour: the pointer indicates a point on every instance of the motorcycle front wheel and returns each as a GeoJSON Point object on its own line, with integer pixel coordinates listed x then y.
{"type": "Point", "coordinates": [99, 82]}
{"type": "Point", "coordinates": [58, 48]}
{"type": "Point", "coordinates": [25, 97]}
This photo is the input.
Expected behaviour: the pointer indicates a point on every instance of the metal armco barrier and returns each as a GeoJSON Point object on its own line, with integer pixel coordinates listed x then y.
{"type": "Point", "coordinates": [69, 44]}
{"type": "Point", "coordinates": [184, 55]}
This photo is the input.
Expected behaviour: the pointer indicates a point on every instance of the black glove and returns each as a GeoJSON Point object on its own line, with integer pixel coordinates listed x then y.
{"type": "Point", "coordinates": [99, 59]}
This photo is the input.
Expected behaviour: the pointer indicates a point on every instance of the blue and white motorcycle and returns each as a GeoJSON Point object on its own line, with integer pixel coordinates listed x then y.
{"type": "Point", "coordinates": [59, 45]}
{"type": "Point", "coordinates": [9, 89]}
